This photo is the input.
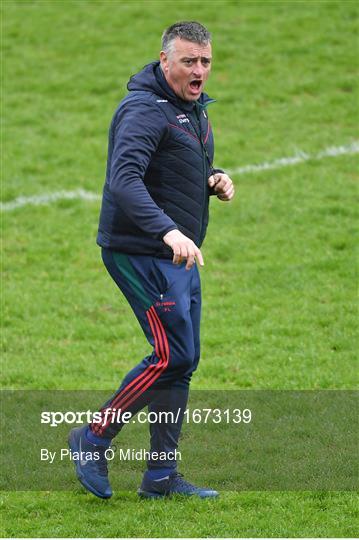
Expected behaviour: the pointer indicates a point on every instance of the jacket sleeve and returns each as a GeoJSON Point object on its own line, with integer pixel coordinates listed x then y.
{"type": "Point", "coordinates": [138, 129]}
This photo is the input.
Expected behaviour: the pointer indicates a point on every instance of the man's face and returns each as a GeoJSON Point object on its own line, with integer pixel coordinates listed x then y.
{"type": "Point", "coordinates": [187, 67]}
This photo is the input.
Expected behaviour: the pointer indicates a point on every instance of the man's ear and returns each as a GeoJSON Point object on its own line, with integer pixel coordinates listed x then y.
{"type": "Point", "coordinates": [164, 60]}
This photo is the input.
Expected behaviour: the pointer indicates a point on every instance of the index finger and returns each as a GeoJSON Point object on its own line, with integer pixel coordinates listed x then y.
{"type": "Point", "coordinates": [176, 254]}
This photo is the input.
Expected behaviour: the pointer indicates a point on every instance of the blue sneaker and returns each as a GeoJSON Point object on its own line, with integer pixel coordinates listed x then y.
{"type": "Point", "coordinates": [172, 484]}
{"type": "Point", "coordinates": [90, 463]}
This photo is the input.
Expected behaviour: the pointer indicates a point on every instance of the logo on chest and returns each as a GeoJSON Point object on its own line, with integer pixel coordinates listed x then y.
{"type": "Point", "coordinates": [182, 118]}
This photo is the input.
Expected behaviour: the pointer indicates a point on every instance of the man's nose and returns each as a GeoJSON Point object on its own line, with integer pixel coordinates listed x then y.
{"type": "Point", "coordinates": [198, 70]}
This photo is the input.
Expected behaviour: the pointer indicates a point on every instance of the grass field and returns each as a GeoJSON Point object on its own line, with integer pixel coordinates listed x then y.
{"type": "Point", "coordinates": [279, 285]}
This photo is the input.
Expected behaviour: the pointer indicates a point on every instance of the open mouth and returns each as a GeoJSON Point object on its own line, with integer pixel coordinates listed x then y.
{"type": "Point", "coordinates": [195, 85]}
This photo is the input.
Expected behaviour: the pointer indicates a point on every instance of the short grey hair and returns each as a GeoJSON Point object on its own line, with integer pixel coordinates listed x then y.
{"type": "Point", "coordinates": [189, 30]}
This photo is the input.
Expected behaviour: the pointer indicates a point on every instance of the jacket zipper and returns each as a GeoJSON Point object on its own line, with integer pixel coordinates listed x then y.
{"type": "Point", "coordinates": [205, 157]}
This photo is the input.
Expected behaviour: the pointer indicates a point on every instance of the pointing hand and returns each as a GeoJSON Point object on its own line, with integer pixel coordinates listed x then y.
{"type": "Point", "coordinates": [183, 248]}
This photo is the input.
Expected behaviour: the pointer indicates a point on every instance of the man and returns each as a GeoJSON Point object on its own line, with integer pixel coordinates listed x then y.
{"type": "Point", "coordinates": [153, 221]}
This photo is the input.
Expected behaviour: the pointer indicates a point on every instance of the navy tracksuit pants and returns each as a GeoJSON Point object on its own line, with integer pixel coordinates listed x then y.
{"type": "Point", "coordinates": [166, 300]}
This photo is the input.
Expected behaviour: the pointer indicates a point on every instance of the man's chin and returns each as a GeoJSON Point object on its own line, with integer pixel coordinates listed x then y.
{"type": "Point", "coordinates": [191, 97]}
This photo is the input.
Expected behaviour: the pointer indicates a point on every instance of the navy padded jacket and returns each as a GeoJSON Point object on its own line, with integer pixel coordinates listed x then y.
{"type": "Point", "coordinates": [159, 160]}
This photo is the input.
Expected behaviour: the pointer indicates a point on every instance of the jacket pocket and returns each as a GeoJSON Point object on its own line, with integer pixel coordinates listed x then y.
{"type": "Point", "coordinates": [160, 281]}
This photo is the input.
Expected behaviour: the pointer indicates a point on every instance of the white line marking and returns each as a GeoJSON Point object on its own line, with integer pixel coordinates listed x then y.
{"type": "Point", "coordinates": [299, 157]}
{"type": "Point", "coordinates": [47, 198]}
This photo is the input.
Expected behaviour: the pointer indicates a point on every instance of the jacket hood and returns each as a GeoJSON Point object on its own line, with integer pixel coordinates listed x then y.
{"type": "Point", "coordinates": [152, 79]}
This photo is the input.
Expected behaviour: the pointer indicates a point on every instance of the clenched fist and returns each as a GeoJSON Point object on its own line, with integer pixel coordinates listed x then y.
{"type": "Point", "coordinates": [223, 186]}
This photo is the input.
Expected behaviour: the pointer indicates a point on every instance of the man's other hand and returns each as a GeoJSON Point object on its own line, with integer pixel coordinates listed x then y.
{"type": "Point", "coordinates": [223, 186]}
{"type": "Point", "coordinates": [183, 248]}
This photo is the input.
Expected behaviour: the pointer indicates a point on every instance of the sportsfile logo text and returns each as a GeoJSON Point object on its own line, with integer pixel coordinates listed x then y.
{"type": "Point", "coordinates": [110, 415]}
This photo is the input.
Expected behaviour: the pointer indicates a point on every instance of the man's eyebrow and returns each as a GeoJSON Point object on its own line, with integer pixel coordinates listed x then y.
{"type": "Point", "coordinates": [196, 57]}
